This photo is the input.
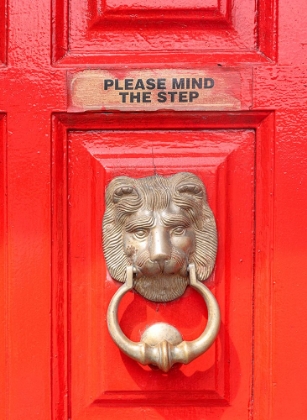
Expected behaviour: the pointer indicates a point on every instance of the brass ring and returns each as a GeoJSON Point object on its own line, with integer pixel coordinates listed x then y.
{"type": "Point", "coordinates": [161, 344]}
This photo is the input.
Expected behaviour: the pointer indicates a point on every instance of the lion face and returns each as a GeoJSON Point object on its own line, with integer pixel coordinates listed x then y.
{"type": "Point", "coordinates": [159, 225]}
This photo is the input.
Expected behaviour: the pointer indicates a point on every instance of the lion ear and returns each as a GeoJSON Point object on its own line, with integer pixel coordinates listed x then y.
{"type": "Point", "coordinates": [190, 188]}
{"type": "Point", "coordinates": [124, 191]}
{"type": "Point", "coordinates": [120, 188]}
{"type": "Point", "coordinates": [188, 184]}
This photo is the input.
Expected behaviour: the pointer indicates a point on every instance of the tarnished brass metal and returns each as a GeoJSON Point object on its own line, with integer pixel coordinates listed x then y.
{"type": "Point", "coordinates": [159, 225]}
{"type": "Point", "coordinates": [159, 237]}
{"type": "Point", "coordinates": [161, 344]}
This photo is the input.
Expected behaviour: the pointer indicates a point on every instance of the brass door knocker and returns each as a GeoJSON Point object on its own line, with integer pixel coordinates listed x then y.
{"type": "Point", "coordinates": [159, 237]}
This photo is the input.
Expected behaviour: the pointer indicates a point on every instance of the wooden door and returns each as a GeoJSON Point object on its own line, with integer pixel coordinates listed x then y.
{"type": "Point", "coordinates": [58, 153]}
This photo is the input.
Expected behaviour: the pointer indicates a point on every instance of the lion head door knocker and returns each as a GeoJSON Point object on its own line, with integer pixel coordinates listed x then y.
{"type": "Point", "coordinates": [159, 237]}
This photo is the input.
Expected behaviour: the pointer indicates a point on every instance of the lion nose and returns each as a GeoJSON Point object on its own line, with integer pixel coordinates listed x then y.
{"type": "Point", "coordinates": [160, 249]}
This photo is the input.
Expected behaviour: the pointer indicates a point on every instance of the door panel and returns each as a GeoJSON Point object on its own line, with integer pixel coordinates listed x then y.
{"type": "Point", "coordinates": [3, 33]}
{"type": "Point", "coordinates": [3, 284]}
{"type": "Point", "coordinates": [229, 161]}
{"type": "Point", "coordinates": [89, 31]}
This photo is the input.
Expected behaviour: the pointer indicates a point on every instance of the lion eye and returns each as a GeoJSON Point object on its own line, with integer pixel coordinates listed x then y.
{"type": "Point", "coordinates": [140, 233]}
{"type": "Point", "coordinates": [179, 230]}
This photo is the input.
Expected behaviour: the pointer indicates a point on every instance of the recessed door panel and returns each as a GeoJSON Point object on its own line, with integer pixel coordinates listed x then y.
{"type": "Point", "coordinates": [100, 377]}
{"type": "Point", "coordinates": [84, 31]}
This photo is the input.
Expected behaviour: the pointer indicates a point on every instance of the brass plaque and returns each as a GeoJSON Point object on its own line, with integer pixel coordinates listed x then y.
{"type": "Point", "coordinates": [150, 90]}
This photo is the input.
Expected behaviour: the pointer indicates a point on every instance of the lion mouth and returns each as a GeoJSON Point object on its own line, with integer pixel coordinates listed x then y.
{"type": "Point", "coordinates": [163, 288]}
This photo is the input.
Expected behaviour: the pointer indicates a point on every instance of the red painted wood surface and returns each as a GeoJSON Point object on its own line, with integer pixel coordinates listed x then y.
{"type": "Point", "coordinates": [57, 360]}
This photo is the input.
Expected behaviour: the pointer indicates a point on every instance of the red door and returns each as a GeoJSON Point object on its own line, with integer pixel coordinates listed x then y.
{"type": "Point", "coordinates": [62, 143]}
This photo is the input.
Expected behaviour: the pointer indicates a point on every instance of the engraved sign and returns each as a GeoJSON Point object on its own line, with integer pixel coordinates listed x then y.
{"type": "Point", "coordinates": [149, 90]}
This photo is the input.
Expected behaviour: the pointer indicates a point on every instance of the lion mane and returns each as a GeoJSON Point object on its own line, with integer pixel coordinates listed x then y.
{"type": "Point", "coordinates": [125, 195]}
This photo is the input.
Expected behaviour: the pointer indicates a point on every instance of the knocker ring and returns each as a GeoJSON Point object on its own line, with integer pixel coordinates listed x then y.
{"type": "Point", "coordinates": [161, 344]}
